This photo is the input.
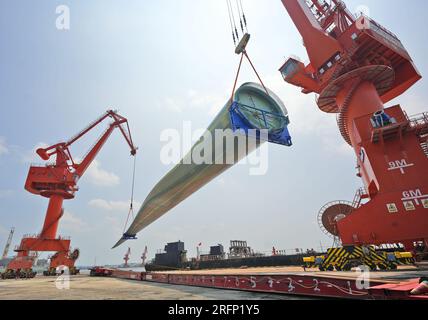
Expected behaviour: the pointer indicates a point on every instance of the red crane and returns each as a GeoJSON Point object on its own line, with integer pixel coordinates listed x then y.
{"type": "Point", "coordinates": [127, 257]}
{"type": "Point", "coordinates": [58, 182]}
{"type": "Point", "coordinates": [144, 257]}
{"type": "Point", "coordinates": [8, 243]}
{"type": "Point", "coordinates": [356, 66]}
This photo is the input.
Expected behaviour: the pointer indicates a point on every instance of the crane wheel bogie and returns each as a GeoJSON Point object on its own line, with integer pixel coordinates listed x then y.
{"type": "Point", "coordinates": [52, 272]}
{"type": "Point", "coordinates": [20, 274]}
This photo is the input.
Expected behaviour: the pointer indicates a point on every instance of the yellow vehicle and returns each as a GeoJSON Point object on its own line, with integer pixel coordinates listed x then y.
{"type": "Point", "coordinates": [346, 258]}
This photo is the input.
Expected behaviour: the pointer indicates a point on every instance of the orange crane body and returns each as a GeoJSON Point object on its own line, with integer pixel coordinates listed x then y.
{"type": "Point", "coordinates": [58, 182]}
{"type": "Point", "coordinates": [356, 66]}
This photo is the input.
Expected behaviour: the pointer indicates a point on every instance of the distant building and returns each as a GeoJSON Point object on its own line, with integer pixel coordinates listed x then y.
{"type": "Point", "coordinates": [239, 249]}
{"type": "Point", "coordinates": [174, 255]}
{"type": "Point", "coordinates": [216, 253]}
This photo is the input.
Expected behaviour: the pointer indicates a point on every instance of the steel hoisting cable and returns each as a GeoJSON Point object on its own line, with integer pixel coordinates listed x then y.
{"type": "Point", "coordinates": [243, 15]}
{"type": "Point", "coordinates": [240, 16]}
{"type": "Point", "coordinates": [243, 22]}
{"type": "Point", "coordinates": [231, 22]}
{"type": "Point", "coordinates": [131, 206]}
{"type": "Point", "coordinates": [233, 19]}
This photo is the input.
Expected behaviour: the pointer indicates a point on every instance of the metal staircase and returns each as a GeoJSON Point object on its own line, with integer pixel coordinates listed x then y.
{"type": "Point", "coordinates": [424, 146]}
{"type": "Point", "coordinates": [343, 115]}
{"type": "Point", "coordinates": [419, 123]}
{"type": "Point", "coordinates": [358, 198]}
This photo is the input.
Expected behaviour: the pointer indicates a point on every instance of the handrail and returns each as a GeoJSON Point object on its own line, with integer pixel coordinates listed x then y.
{"type": "Point", "coordinates": [37, 236]}
{"type": "Point", "coordinates": [276, 134]}
{"type": "Point", "coordinates": [377, 24]}
{"type": "Point", "coordinates": [260, 110]}
{"type": "Point", "coordinates": [359, 197]}
{"type": "Point", "coordinates": [418, 119]}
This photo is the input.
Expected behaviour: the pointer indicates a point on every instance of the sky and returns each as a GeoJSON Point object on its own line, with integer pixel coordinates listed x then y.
{"type": "Point", "coordinates": [161, 63]}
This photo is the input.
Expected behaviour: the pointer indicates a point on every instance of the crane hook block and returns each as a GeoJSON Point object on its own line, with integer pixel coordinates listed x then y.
{"type": "Point", "coordinates": [242, 45]}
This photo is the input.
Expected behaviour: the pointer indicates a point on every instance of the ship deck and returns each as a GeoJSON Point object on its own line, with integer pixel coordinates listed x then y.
{"type": "Point", "coordinates": [403, 273]}
{"type": "Point", "coordinates": [294, 281]}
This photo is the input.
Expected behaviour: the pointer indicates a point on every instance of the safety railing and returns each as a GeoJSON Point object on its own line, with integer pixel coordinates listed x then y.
{"type": "Point", "coordinates": [379, 28]}
{"type": "Point", "coordinates": [264, 120]}
{"type": "Point", "coordinates": [42, 165]}
{"type": "Point", "coordinates": [262, 115]}
{"type": "Point", "coordinates": [418, 120]}
{"type": "Point", "coordinates": [37, 236]}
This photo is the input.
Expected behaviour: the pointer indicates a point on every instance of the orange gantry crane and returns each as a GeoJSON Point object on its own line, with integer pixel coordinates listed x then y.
{"type": "Point", "coordinates": [58, 182]}
{"type": "Point", "coordinates": [356, 66]}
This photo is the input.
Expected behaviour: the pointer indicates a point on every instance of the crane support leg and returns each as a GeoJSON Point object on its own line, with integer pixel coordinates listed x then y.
{"type": "Point", "coordinates": [53, 215]}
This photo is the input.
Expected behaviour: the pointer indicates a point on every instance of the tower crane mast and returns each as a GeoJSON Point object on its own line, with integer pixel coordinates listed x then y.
{"type": "Point", "coordinates": [356, 66]}
{"type": "Point", "coordinates": [58, 182]}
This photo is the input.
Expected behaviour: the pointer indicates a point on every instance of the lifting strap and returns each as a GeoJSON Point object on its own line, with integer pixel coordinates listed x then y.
{"type": "Point", "coordinates": [131, 206]}
{"type": "Point", "coordinates": [245, 54]}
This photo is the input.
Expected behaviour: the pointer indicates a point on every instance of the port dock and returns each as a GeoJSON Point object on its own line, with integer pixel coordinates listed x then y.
{"type": "Point", "coordinates": [292, 281]}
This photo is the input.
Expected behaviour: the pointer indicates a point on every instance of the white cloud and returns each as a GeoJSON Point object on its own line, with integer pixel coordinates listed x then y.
{"type": "Point", "coordinates": [116, 206]}
{"type": "Point", "coordinates": [172, 105]}
{"type": "Point", "coordinates": [100, 177]}
{"type": "Point", "coordinates": [72, 223]}
{"type": "Point", "coordinates": [3, 147]}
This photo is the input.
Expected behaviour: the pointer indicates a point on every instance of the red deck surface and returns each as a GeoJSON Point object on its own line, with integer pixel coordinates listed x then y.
{"type": "Point", "coordinates": [322, 286]}
{"type": "Point", "coordinates": [397, 291]}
